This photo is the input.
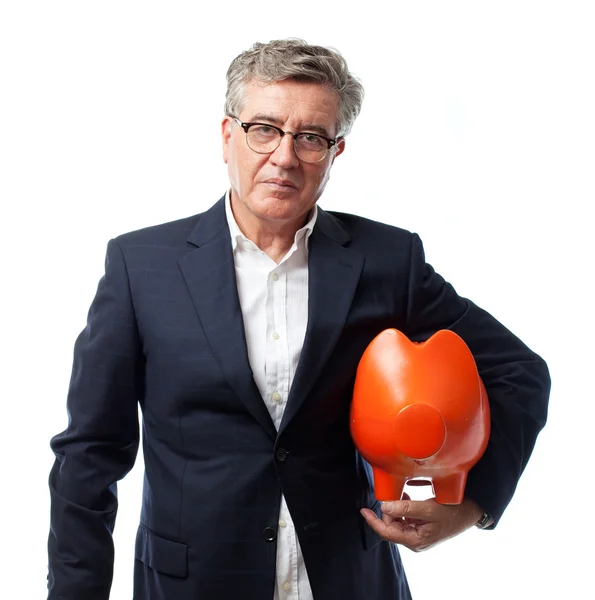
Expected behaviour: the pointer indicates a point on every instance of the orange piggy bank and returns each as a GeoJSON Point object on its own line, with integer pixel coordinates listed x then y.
{"type": "Point", "coordinates": [419, 410]}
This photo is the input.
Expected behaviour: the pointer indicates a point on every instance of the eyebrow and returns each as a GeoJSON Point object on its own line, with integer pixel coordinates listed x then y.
{"type": "Point", "coordinates": [309, 127]}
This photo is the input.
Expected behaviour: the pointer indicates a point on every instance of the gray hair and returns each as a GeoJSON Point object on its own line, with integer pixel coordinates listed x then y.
{"type": "Point", "coordinates": [297, 60]}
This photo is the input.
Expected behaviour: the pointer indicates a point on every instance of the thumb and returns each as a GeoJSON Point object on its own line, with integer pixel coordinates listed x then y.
{"type": "Point", "coordinates": [406, 508]}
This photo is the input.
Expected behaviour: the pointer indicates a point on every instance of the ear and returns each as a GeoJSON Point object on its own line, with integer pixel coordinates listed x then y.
{"type": "Point", "coordinates": [339, 148]}
{"type": "Point", "coordinates": [226, 130]}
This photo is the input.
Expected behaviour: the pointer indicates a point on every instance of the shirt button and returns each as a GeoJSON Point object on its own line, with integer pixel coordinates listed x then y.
{"type": "Point", "coordinates": [282, 523]}
{"type": "Point", "coordinates": [287, 586]}
{"type": "Point", "coordinates": [275, 335]}
{"type": "Point", "coordinates": [277, 397]}
{"type": "Point", "coordinates": [275, 277]}
{"type": "Point", "coordinates": [281, 454]}
{"type": "Point", "coordinates": [269, 534]}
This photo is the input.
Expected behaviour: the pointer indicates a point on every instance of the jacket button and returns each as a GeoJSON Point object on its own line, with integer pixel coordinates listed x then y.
{"type": "Point", "coordinates": [270, 535]}
{"type": "Point", "coordinates": [281, 454]}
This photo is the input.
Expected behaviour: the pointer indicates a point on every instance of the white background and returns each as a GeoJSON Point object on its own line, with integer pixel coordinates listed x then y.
{"type": "Point", "coordinates": [477, 132]}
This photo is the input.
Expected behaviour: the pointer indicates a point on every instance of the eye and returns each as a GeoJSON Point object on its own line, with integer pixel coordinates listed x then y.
{"type": "Point", "coordinates": [264, 130]}
{"type": "Point", "coordinates": [312, 139]}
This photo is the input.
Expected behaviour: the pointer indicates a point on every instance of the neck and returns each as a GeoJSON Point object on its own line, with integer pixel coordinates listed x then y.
{"type": "Point", "coordinates": [274, 238]}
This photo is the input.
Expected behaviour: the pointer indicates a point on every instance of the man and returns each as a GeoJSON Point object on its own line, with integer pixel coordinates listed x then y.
{"type": "Point", "coordinates": [239, 331]}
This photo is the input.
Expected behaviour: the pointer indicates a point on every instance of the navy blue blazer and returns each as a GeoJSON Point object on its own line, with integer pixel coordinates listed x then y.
{"type": "Point", "coordinates": [165, 331]}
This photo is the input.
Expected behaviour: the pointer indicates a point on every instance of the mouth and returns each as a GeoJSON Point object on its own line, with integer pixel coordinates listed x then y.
{"type": "Point", "coordinates": [281, 185]}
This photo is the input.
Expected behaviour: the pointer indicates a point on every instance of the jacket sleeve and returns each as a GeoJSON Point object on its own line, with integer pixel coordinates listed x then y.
{"type": "Point", "coordinates": [517, 380]}
{"type": "Point", "coordinates": [100, 444]}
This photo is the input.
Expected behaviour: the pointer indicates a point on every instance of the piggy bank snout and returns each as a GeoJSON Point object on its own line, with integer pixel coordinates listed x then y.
{"type": "Point", "coordinates": [419, 431]}
{"type": "Point", "coordinates": [419, 410]}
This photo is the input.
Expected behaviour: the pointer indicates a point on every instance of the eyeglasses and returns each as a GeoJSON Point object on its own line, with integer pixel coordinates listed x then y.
{"type": "Point", "coordinates": [264, 139]}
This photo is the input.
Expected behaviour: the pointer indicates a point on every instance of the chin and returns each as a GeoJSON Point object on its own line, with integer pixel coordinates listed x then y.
{"type": "Point", "coordinates": [277, 209]}
{"type": "Point", "coordinates": [278, 201]}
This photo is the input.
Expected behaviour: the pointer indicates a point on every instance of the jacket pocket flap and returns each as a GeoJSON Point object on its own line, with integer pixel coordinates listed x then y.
{"type": "Point", "coordinates": [161, 554]}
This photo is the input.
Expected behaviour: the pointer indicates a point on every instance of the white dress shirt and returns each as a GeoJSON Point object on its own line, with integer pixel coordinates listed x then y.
{"type": "Point", "coordinates": [274, 302]}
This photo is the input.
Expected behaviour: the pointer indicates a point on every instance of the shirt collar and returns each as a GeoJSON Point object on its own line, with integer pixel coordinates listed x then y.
{"type": "Point", "coordinates": [302, 235]}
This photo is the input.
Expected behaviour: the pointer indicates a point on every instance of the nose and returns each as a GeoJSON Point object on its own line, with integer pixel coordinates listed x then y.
{"type": "Point", "coordinates": [285, 156]}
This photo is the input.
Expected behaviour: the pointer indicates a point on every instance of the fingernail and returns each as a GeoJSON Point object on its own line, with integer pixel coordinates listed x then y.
{"type": "Point", "coordinates": [387, 506]}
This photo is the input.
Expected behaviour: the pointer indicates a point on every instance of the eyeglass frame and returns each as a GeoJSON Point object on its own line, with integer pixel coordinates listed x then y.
{"type": "Point", "coordinates": [246, 126]}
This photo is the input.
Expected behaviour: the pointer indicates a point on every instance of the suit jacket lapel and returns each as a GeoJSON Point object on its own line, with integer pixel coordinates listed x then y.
{"type": "Point", "coordinates": [209, 273]}
{"type": "Point", "coordinates": [333, 275]}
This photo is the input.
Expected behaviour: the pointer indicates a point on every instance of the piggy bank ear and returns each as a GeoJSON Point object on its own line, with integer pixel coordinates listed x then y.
{"type": "Point", "coordinates": [419, 431]}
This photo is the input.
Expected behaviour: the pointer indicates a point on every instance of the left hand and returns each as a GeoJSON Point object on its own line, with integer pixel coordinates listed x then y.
{"type": "Point", "coordinates": [420, 525]}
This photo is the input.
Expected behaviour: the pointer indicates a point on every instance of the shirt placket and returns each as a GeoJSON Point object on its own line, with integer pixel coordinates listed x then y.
{"type": "Point", "coordinates": [276, 345]}
{"type": "Point", "coordinates": [277, 367]}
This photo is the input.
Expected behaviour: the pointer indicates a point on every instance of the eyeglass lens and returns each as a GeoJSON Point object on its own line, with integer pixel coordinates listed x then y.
{"type": "Point", "coordinates": [308, 146]}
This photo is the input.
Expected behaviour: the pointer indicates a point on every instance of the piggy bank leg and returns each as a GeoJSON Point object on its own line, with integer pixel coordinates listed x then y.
{"type": "Point", "coordinates": [450, 489]}
{"type": "Point", "coordinates": [387, 486]}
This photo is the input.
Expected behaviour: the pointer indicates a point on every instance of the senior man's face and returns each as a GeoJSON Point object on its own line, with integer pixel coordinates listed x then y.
{"type": "Point", "coordinates": [254, 178]}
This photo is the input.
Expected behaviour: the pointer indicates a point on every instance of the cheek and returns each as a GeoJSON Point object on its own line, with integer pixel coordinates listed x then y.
{"type": "Point", "coordinates": [321, 178]}
{"type": "Point", "coordinates": [243, 169]}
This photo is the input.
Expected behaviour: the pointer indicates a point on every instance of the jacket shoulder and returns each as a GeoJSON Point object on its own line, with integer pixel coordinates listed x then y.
{"type": "Point", "coordinates": [171, 233]}
{"type": "Point", "coordinates": [356, 225]}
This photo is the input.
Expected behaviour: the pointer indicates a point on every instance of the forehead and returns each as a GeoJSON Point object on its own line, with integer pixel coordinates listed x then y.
{"type": "Point", "coordinates": [292, 103]}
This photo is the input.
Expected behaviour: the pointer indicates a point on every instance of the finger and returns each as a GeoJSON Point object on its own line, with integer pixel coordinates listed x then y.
{"type": "Point", "coordinates": [412, 522]}
{"type": "Point", "coordinates": [412, 536]}
{"type": "Point", "coordinates": [387, 519]}
{"type": "Point", "coordinates": [397, 532]}
{"type": "Point", "coordinates": [406, 520]}
{"type": "Point", "coordinates": [369, 515]}
{"type": "Point", "coordinates": [413, 509]}
{"type": "Point", "coordinates": [379, 525]}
